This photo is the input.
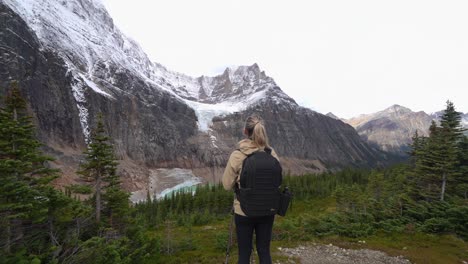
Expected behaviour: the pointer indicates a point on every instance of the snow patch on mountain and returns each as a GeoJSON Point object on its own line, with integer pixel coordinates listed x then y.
{"type": "Point", "coordinates": [205, 112]}
{"type": "Point", "coordinates": [213, 140]}
{"type": "Point", "coordinates": [94, 86]}
{"type": "Point", "coordinates": [184, 85]}
{"type": "Point", "coordinates": [84, 34]}
{"type": "Point", "coordinates": [78, 94]}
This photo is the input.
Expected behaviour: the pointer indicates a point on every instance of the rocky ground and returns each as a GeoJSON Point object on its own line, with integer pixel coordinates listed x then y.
{"type": "Point", "coordinates": [330, 254]}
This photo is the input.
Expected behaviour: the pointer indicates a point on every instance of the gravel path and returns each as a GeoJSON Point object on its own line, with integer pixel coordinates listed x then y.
{"type": "Point", "coordinates": [330, 254]}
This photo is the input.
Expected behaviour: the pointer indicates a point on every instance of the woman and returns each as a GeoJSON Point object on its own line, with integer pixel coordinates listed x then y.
{"type": "Point", "coordinates": [256, 140]}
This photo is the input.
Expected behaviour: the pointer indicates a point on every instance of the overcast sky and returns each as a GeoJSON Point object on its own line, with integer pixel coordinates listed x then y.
{"type": "Point", "coordinates": [345, 57]}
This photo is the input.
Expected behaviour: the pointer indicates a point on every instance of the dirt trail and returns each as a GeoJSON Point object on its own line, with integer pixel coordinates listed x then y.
{"type": "Point", "coordinates": [330, 254]}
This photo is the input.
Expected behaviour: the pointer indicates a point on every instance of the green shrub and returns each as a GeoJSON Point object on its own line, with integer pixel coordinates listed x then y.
{"type": "Point", "coordinates": [391, 225]}
{"type": "Point", "coordinates": [458, 218]}
{"type": "Point", "coordinates": [436, 225]}
{"type": "Point", "coordinates": [221, 241]}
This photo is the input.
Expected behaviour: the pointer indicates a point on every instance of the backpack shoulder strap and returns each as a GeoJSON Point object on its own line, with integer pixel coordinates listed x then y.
{"type": "Point", "coordinates": [243, 180]}
{"type": "Point", "coordinates": [247, 155]}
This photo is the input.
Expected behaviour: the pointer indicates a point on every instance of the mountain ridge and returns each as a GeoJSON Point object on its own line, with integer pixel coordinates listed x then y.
{"type": "Point", "coordinates": [393, 127]}
{"type": "Point", "coordinates": [154, 122]}
{"type": "Point", "coordinates": [110, 54]}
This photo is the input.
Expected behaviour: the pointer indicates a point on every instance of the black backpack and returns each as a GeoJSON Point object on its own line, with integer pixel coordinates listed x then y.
{"type": "Point", "coordinates": [260, 180]}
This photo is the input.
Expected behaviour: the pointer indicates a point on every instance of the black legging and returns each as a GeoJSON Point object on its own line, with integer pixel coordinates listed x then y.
{"type": "Point", "coordinates": [245, 226]}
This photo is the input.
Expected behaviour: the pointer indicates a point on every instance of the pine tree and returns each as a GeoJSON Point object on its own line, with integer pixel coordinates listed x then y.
{"type": "Point", "coordinates": [451, 136]}
{"type": "Point", "coordinates": [462, 179]}
{"type": "Point", "coordinates": [435, 167]}
{"type": "Point", "coordinates": [416, 146]}
{"type": "Point", "coordinates": [437, 158]}
{"type": "Point", "coordinates": [425, 161]}
{"type": "Point", "coordinates": [24, 173]}
{"type": "Point", "coordinates": [100, 168]}
{"type": "Point", "coordinates": [60, 212]}
{"type": "Point", "coordinates": [451, 120]}
{"type": "Point", "coordinates": [117, 202]}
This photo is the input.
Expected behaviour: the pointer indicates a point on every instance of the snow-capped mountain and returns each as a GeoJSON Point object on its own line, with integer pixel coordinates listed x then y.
{"type": "Point", "coordinates": [84, 35]}
{"type": "Point", "coordinates": [234, 90]}
{"type": "Point", "coordinates": [233, 85]}
{"type": "Point", "coordinates": [72, 62]}
{"type": "Point", "coordinates": [95, 51]}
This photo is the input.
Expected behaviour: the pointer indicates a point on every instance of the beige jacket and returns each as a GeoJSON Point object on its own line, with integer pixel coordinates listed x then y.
{"type": "Point", "coordinates": [234, 167]}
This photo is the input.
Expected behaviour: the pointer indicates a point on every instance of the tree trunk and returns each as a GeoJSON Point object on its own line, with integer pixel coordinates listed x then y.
{"type": "Point", "coordinates": [17, 231]}
{"type": "Point", "coordinates": [110, 218]}
{"type": "Point", "coordinates": [53, 239]}
{"type": "Point", "coordinates": [51, 232]}
{"type": "Point", "coordinates": [98, 198]}
{"type": "Point", "coordinates": [78, 226]}
{"type": "Point", "coordinates": [442, 191]}
{"type": "Point", "coordinates": [7, 247]}
{"type": "Point", "coordinates": [168, 238]}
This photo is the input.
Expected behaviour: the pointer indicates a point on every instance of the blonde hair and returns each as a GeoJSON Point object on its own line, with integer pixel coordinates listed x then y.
{"type": "Point", "coordinates": [256, 131]}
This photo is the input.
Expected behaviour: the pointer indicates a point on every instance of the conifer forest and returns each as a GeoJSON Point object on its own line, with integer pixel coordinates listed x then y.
{"type": "Point", "coordinates": [422, 199]}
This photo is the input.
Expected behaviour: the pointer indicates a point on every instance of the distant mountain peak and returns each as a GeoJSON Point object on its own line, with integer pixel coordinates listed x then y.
{"type": "Point", "coordinates": [243, 72]}
{"type": "Point", "coordinates": [230, 85]}
{"type": "Point", "coordinates": [330, 114]}
{"type": "Point", "coordinates": [243, 68]}
{"type": "Point", "coordinates": [397, 108]}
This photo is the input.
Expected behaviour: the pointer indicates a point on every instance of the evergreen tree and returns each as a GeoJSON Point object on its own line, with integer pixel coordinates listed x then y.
{"type": "Point", "coordinates": [61, 211]}
{"type": "Point", "coordinates": [452, 133]}
{"type": "Point", "coordinates": [451, 121]}
{"type": "Point", "coordinates": [451, 136]}
{"type": "Point", "coordinates": [24, 173]}
{"type": "Point", "coordinates": [462, 179]}
{"type": "Point", "coordinates": [437, 158]}
{"type": "Point", "coordinates": [419, 179]}
{"type": "Point", "coordinates": [100, 168]}
{"type": "Point", "coordinates": [416, 146]}
{"type": "Point", "coordinates": [432, 167]}
{"type": "Point", "coordinates": [117, 203]}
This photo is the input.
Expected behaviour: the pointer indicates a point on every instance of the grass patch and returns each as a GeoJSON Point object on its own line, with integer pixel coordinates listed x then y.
{"type": "Point", "coordinates": [207, 243]}
{"type": "Point", "coordinates": [417, 247]}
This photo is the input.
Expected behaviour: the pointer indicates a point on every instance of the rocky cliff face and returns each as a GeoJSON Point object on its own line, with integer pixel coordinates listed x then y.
{"type": "Point", "coordinates": [149, 125]}
{"type": "Point", "coordinates": [72, 63]}
{"type": "Point", "coordinates": [304, 135]}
